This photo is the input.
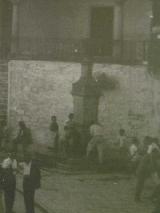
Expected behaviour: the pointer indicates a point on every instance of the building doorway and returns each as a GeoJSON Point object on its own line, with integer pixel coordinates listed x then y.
{"type": "Point", "coordinates": [101, 32]}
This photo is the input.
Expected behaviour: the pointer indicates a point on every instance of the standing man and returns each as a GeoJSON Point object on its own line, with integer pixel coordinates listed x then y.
{"type": "Point", "coordinates": [156, 193]}
{"type": "Point", "coordinates": [9, 166]}
{"type": "Point", "coordinates": [145, 168]}
{"type": "Point", "coordinates": [72, 136]}
{"type": "Point", "coordinates": [134, 154]}
{"type": "Point", "coordinates": [24, 136]}
{"type": "Point", "coordinates": [123, 150]}
{"type": "Point", "coordinates": [70, 123]}
{"type": "Point", "coordinates": [97, 141]}
{"type": "Point", "coordinates": [55, 132]}
{"type": "Point", "coordinates": [1, 201]}
{"type": "Point", "coordinates": [122, 141]}
{"type": "Point", "coordinates": [31, 181]}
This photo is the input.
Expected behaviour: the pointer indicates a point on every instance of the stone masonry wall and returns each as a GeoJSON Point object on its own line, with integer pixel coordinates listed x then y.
{"type": "Point", "coordinates": [3, 90]}
{"type": "Point", "coordinates": [40, 89]}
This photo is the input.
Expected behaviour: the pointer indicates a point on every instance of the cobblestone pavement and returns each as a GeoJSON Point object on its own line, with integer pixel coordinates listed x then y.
{"type": "Point", "coordinates": [89, 193]}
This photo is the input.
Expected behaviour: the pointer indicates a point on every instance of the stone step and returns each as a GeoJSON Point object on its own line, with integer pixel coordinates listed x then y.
{"type": "Point", "coordinates": [3, 101]}
{"type": "Point", "coordinates": [3, 113]}
{"type": "Point", "coordinates": [3, 95]}
{"type": "Point", "coordinates": [4, 84]}
{"type": "Point", "coordinates": [3, 106]}
{"type": "Point", "coordinates": [3, 74]}
{"type": "Point", "coordinates": [4, 77]}
{"type": "Point", "coordinates": [3, 118]}
{"type": "Point", "coordinates": [4, 87]}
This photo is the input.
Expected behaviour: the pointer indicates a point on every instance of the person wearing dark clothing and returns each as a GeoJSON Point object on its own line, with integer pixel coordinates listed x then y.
{"type": "Point", "coordinates": [1, 191]}
{"type": "Point", "coordinates": [147, 166]}
{"type": "Point", "coordinates": [64, 143]}
{"type": "Point", "coordinates": [31, 182]}
{"type": "Point", "coordinates": [73, 137]}
{"type": "Point", "coordinates": [156, 193]}
{"type": "Point", "coordinates": [123, 150]}
{"type": "Point", "coordinates": [145, 169]}
{"type": "Point", "coordinates": [9, 166]}
{"type": "Point", "coordinates": [9, 190]}
{"type": "Point", "coordinates": [55, 131]}
{"type": "Point", "coordinates": [156, 165]}
{"type": "Point", "coordinates": [24, 136]}
{"type": "Point", "coordinates": [157, 209]}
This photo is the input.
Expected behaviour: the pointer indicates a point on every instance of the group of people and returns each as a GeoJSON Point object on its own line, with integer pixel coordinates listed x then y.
{"type": "Point", "coordinates": [149, 167]}
{"type": "Point", "coordinates": [31, 181]}
{"type": "Point", "coordinates": [128, 148]}
{"type": "Point", "coordinates": [140, 158]}
{"type": "Point", "coordinates": [68, 144]}
{"type": "Point", "coordinates": [143, 162]}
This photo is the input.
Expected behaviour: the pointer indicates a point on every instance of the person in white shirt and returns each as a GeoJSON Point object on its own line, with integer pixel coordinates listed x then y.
{"type": "Point", "coordinates": [133, 149]}
{"type": "Point", "coordinates": [153, 145]}
{"type": "Point", "coordinates": [122, 138]}
{"type": "Point", "coordinates": [97, 141]}
{"type": "Point", "coordinates": [134, 154]}
{"type": "Point", "coordinates": [10, 161]}
{"type": "Point", "coordinates": [9, 166]}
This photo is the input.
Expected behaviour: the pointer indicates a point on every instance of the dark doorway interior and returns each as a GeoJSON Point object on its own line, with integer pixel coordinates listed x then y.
{"type": "Point", "coordinates": [102, 30]}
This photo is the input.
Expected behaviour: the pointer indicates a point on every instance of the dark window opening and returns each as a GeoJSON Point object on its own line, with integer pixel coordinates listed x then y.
{"type": "Point", "coordinates": [102, 30]}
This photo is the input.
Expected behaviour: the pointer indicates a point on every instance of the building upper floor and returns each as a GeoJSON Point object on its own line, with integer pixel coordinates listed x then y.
{"type": "Point", "coordinates": [109, 30]}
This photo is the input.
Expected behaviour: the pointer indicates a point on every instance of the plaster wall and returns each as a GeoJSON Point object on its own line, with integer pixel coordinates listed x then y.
{"type": "Point", "coordinates": [39, 89]}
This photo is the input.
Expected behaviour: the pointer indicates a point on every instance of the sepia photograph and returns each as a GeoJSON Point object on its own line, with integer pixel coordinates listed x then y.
{"type": "Point", "coordinates": [79, 106]}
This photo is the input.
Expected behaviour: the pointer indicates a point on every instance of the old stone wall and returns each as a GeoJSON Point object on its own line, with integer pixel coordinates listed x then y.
{"type": "Point", "coordinates": [39, 89]}
{"type": "Point", "coordinates": [3, 90]}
